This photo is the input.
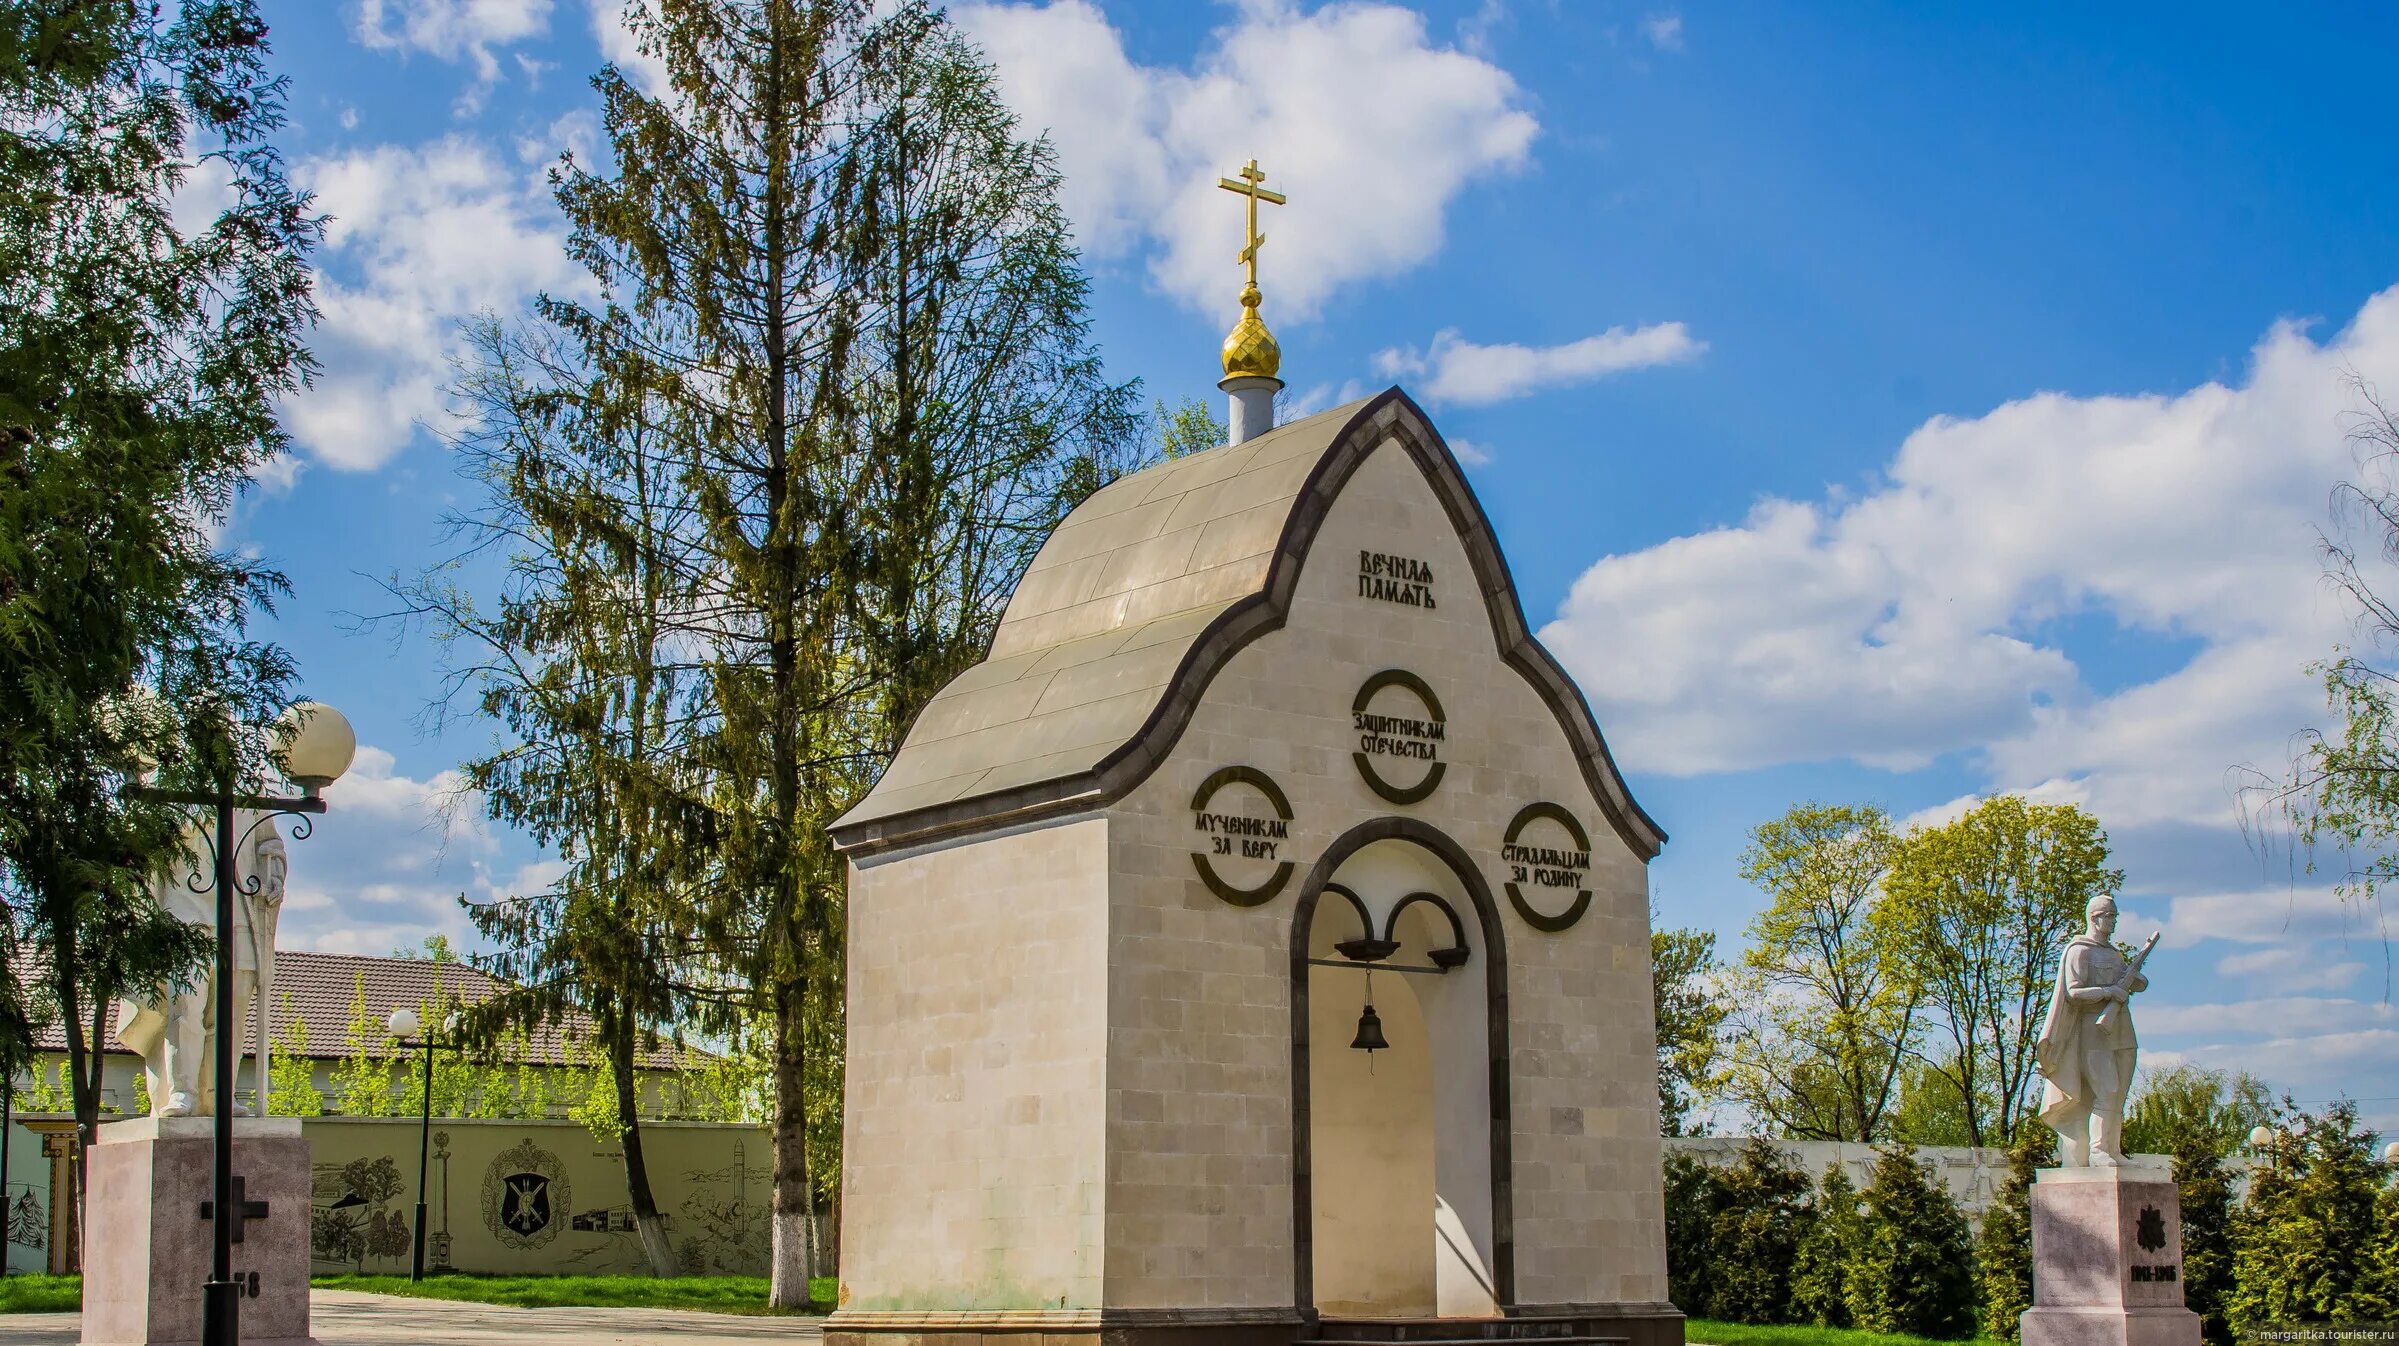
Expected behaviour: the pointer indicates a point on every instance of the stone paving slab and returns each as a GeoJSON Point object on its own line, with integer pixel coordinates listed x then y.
{"type": "Point", "coordinates": [354, 1318]}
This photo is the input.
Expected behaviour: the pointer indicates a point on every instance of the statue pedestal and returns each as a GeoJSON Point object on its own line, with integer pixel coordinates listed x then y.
{"type": "Point", "coordinates": [147, 1249]}
{"type": "Point", "coordinates": [2107, 1260]}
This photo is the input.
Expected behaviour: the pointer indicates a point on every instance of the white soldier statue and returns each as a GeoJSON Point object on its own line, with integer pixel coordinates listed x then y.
{"type": "Point", "coordinates": [175, 1030]}
{"type": "Point", "coordinates": [2086, 1049]}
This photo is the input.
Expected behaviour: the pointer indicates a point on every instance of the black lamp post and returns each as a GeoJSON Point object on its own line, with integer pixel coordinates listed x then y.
{"type": "Point", "coordinates": [404, 1024]}
{"type": "Point", "coordinates": [318, 746]}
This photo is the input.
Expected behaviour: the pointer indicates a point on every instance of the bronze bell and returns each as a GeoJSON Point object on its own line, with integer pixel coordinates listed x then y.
{"type": "Point", "coordinates": [1370, 1032]}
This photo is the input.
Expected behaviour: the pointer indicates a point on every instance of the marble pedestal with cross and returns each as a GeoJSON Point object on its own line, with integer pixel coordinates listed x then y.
{"type": "Point", "coordinates": [2107, 1260]}
{"type": "Point", "coordinates": [147, 1245]}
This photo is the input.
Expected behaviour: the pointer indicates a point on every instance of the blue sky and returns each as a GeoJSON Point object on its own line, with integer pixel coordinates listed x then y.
{"type": "Point", "coordinates": [1877, 403]}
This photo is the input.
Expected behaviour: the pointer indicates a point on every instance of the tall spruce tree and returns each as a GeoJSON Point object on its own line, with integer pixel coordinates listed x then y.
{"type": "Point", "coordinates": [140, 365]}
{"type": "Point", "coordinates": [841, 285]}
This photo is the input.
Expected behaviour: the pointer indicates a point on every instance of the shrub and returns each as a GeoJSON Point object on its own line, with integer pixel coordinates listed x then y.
{"type": "Point", "coordinates": [2003, 1250]}
{"type": "Point", "coordinates": [1754, 1237]}
{"type": "Point", "coordinates": [1694, 1193]}
{"type": "Point", "coordinates": [1911, 1269]}
{"type": "Point", "coordinates": [2301, 1242]}
{"type": "Point", "coordinates": [1819, 1267]}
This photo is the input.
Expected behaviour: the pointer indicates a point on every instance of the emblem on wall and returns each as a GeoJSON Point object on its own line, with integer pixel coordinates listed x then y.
{"type": "Point", "coordinates": [1546, 850]}
{"type": "Point", "coordinates": [1230, 835]}
{"type": "Point", "coordinates": [1398, 719]}
{"type": "Point", "coordinates": [523, 1191]}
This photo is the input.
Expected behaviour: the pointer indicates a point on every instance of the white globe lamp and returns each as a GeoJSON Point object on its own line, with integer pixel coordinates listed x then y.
{"type": "Point", "coordinates": [318, 744]}
{"type": "Point", "coordinates": [403, 1023]}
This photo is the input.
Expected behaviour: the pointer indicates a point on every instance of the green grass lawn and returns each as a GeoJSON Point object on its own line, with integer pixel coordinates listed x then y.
{"type": "Point", "coordinates": [41, 1294]}
{"type": "Point", "coordinates": [1750, 1334]}
{"type": "Point", "coordinates": [709, 1294]}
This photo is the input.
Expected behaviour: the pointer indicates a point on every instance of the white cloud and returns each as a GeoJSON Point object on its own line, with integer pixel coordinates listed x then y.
{"type": "Point", "coordinates": [2280, 918]}
{"type": "Point", "coordinates": [1468, 452]}
{"type": "Point", "coordinates": [452, 30]}
{"type": "Point", "coordinates": [1918, 618]}
{"type": "Point", "coordinates": [421, 238]}
{"type": "Point", "coordinates": [1369, 127]}
{"type": "Point", "coordinates": [620, 46]}
{"type": "Point", "coordinates": [1459, 371]}
{"type": "Point", "coordinates": [1664, 31]}
{"type": "Point", "coordinates": [2290, 969]}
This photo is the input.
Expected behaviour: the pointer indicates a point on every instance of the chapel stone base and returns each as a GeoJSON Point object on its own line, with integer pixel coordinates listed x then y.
{"type": "Point", "coordinates": [147, 1249]}
{"type": "Point", "coordinates": [2107, 1260]}
{"type": "Point", "coordinates": [1631, 1325]}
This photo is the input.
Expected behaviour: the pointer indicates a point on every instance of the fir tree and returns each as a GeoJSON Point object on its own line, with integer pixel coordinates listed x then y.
{"type": "Point", "coordinates": [1820, 1264]}
{"type": "Point", "coordinates": [1753, 1238]}
{"type": "Point", "coordinates": [2302, 1239]}
{"type": "Point", "coordinates": [2003, 1247]}
{"type": "Point", "coordinates": [1911, 1269]}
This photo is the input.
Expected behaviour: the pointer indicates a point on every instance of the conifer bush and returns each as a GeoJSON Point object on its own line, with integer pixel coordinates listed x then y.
{"type": "Point", "coordinates": [2003, 1249]}
{"type": "Point", "coordinates": [2206, 1191]}
{"type": "Point", "coordinates": [1911, 1269]}
{"type": "Point", "coordinates": [1819, 1264]}
{"type": "Point", "coordinates": [1694, 1193]}
{"type": "Point", "coordinates": [1753, 1240]}
{"type": "Point", "coordinates": [2302, 1242]}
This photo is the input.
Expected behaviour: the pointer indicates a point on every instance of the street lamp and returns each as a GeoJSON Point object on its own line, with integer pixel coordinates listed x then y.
{"type": "Point", "coordinates": [317, 748]}
{"type": "Point", "coordinates": [404, 1024]}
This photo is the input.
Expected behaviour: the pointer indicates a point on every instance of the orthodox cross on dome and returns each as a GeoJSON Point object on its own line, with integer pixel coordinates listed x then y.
{"type": "Point", "coordinates": [1250, 351]}
{"type": "Point", "coordinates": [1251, 177]}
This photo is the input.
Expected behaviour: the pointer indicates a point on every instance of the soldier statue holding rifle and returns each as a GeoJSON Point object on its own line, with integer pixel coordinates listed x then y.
{"type": "Point", "coordinates": [2086, 1049]}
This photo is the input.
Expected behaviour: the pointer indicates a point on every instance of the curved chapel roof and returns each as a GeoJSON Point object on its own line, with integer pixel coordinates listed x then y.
{"type": "Point", "coordinates": [1135, 601]}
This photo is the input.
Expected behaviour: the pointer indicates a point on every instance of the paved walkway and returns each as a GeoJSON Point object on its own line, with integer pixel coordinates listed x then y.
{"type": "Point", "coordinates": [350, 1318]}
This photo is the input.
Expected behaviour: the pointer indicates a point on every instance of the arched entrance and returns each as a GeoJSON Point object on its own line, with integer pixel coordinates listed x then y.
{"type": "Point", "coordinates": [1400, 1157]}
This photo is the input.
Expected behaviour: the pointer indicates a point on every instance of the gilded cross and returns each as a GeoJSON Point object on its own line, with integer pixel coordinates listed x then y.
{"type": "Point", "coordinates": [1248, 187]}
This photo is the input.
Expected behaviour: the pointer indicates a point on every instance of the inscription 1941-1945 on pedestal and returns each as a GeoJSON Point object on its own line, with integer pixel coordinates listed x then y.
{"type": "Point", "coordinates": [1395, 579]}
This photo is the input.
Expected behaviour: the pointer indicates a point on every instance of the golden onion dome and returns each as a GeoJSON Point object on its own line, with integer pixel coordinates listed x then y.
{"type": "Point", "coordinates": [1250, 351]}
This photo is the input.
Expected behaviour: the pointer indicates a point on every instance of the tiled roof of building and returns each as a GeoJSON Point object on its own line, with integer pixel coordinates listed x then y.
{"type": "Point", "coordinates": [323, 989]}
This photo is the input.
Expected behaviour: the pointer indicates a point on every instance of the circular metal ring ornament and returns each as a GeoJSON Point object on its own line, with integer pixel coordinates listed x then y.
{"type": "Point", "coordinates": [1399, 677]}
{"type": "Point", "coordinates": [1264, 891]}
{"type": "Point", "coordinates": [1526, 817]}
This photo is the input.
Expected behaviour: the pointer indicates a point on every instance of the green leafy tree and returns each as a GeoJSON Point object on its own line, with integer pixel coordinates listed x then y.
{"type": "Point", "coordinates": [1753, 1240]}
{"type": "Point", "coordinates": [2183, 1109]}
{"type": "Point", "coordinates": [1975, 915]}
{"type": "Point", "coordinates": [1189, 426]}
{"type": "Point", "coordinates": [140, 366]}
{"type": "Point", "coordinates": [1911, 1269]}
{"type": "Point", "coordinates": [1689, 1015]}
{"type": "Point", "coordinates": [362, 1076]}
{"type": "Point", "coordinates": [1929, 1110]}
{"type": "Point", "coordinates": [294, 1092]}
{"type": "Point", "coordinates": [2003, 1246]}
{"type": "Point", "coordinates": [1820, 1262]}
{"type": "Point", "coordinates": [2342, 792]}
{"type": "Point", "coordinates": [2301, 1241]}
{"type": "Point", "coordinates": [1824, 1016]}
